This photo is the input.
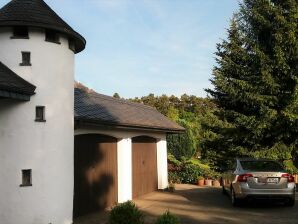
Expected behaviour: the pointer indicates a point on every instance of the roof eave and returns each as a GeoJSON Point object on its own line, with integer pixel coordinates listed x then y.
{"type": "Point", "coordinates": [80, 41]}
{"type": "Point", "coordinates": [80, 122]}
{"type": "Point", "coordinates": [13, 95]}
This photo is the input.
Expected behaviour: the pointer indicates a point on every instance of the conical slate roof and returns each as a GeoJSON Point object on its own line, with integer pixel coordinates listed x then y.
{"type": "Point", "coordinates": [36, 13]}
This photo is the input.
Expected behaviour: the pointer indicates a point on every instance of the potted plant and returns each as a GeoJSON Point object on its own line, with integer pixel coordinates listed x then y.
{"type": "Point", "coordinates": [201, 181]}
{"type": "Point", "coordinates": [208, 182]}
{"type": "Point", "coordinates": [216, 183]}
{"type": "Point", "coordinates": [208, 179]}
{"type": "Point", "coordinates": [171, 187]}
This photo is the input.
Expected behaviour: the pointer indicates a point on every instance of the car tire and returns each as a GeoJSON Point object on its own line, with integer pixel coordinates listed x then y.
{"type": "Point", "coordinates": [234, 200]}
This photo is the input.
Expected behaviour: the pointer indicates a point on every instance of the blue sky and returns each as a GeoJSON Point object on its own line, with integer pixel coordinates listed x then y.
{"type": "Point", "coordinates": [137, 47]}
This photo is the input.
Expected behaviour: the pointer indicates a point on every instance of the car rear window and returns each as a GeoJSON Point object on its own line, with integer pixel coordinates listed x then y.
{"type": "Point", "coordinates": [261, 166]}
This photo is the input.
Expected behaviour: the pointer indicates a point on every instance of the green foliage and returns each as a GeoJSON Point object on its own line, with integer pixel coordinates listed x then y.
{"type": "Point", "coordinates": [201, 178]}
{"type": "Point", "coordinates": [189, 112]}
{"type": "Point", "coordinates": [256, 86]}
{"type": "Point", "coordinates": [173, 160]}
{"type": "Point", "coordinates": [182, 145]}
{"type": "Point", "coordinates": [126, 213]}
{"type": "Point", "coordinates": [168, 218]}
{"type": "Point", "coordinates": [188, 171]}
{"type": "Point", "coordinates": [174, 177]}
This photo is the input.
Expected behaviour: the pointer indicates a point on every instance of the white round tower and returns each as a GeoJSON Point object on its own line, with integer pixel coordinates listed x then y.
{"type": "Point", "coordinates": [37, 135]}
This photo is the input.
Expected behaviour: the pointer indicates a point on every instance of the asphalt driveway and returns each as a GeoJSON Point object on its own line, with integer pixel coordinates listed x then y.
{"type": "Point", "coordinates": [204, 205]}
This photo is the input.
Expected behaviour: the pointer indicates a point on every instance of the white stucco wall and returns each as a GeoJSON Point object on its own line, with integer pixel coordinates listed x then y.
{"type": "Point", "coordinates": [124, 153]}
{"type": "Point", "coordinates": [46, 148]}
{"type": "Point", "coordinates": [162, 164]}
{"type": "Point", "coordinates": [124, 160]}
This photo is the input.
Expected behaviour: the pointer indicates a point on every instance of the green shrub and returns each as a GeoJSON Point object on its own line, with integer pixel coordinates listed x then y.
{"type": "Point", "coordinates": [167, 218]}
{"type": "Point", "coordinates": [173, 160]}
{"type": "Point", "coordinates": [174, 177]}
{"type": "Point", "coordinates": [189, 173]}
{"type": "Point", "coordinates": [126, 213]}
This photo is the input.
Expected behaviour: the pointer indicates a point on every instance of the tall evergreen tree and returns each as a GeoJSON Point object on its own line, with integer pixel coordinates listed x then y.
{"type": "Point", "coordinates": [256, 84]}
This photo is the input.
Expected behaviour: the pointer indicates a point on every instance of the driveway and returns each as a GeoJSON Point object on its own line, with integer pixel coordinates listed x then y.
{"type": "Point", "coordinates": [204, 205]}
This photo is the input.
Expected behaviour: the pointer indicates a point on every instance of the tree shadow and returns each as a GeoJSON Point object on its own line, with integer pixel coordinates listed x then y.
{"type": "Point", "coordinates": [93, 179]}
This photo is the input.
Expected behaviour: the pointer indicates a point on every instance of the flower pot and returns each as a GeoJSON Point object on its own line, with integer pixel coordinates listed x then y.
{"type": "Point", "coordinates": [215, 183]}
{"type": "Point", "coordinates": [201, 182]}
{"type": "Point", "coordinates": [208, 183]}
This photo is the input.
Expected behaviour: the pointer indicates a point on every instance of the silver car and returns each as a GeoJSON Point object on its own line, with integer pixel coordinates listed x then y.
{"type": "Point", "coordinates": [258, 179]}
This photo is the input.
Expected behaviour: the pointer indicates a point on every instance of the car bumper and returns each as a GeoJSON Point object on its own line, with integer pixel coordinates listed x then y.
{"type": "Point", "coordinates": [244, 191]}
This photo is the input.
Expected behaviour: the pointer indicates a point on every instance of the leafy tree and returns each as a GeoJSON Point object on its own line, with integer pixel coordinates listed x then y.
{"type": "Point", "coordinates": [256, 85]}
{"type": "Point", "coordinates": [188, 111]}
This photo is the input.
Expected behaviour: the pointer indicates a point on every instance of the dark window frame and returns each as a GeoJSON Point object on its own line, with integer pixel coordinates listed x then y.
{"type": "Point", "coordinates": [52, 36]}
{"type": "Point", "coordinates": [26, 178]}
{"type": "Point", "coordinates": [20, 32]}
{"type": "Point", "coordinates": [40, 115]}
{"type": "Point", "coordinates": [26, 58]}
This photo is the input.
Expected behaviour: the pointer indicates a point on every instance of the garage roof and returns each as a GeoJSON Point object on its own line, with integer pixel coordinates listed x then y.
{"type": "Point", "coordinates": [13, 86]}
{"type": "Point", "coordinates": [36, 13]}
{"type": "Point", "coordinates": [94, 108]}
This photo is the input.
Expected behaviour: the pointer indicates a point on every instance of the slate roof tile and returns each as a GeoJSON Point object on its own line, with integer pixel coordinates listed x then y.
{"type": "Point", "coordinates": [11, 82]}
{"type": "Point", "coordinates": [98, 108]}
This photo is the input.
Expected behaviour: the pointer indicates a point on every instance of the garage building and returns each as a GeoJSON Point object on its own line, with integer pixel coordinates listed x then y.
{"type": "Point", "coordinates": [120, 150]}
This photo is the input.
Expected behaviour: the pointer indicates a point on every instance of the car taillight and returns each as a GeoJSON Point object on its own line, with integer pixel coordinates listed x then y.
{"type": "Point", "coordinates": [243, 177]}
{"type": "Point", "coordinates": [290, 177]}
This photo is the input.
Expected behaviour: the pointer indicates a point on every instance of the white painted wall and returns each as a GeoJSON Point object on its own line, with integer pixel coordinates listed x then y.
{"type": "Point", "coordinates": [162, 164]}
{"type": "Point", "coordinates": [124, 153]}
{"type": "Point", "coordinates": [124, 158]}
{"type": "Point", "coordinates": [46, 148]}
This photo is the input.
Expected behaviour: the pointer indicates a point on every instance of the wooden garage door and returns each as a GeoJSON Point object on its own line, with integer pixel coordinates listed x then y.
{"type": "Point", "coordinates": [95, 173]}
{"type": "Point", "coordinates": [144, 166]}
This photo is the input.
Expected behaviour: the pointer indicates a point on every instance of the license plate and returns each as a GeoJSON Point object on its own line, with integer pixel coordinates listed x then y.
{"type": "Point", "coordinates": [272, 180]}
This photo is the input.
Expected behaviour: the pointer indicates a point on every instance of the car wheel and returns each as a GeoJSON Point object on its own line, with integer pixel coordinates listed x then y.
{"type": "Point", "coordinates": [235, 201]}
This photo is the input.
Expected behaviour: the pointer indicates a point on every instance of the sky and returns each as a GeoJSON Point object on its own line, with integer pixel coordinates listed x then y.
{"type": "Point", "coordinates": [138, 47]}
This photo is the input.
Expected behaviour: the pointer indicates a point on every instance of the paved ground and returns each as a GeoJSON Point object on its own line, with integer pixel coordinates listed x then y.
{"type": "Point", "coordinates": [196, 205]}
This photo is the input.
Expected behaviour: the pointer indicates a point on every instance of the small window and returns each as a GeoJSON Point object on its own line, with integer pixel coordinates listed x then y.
{"type": "Point", "coordinates": [52, 36]}
{"type": "Point", "coordinates": [26, 178]}
{"type": "Point", "coordinates": [26, 59]}
{"type": "Point", "coordinates": [71, 45]}
{"type": "Point", "coordinates": [20, 32]}
{"type": "Point", "coordinates": [40, 114]}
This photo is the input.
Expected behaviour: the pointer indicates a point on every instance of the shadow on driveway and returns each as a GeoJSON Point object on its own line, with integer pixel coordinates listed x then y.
{"type": "Point", "coordinates": [208, 205]}
{"type": "Point", "coordinates": [196, 205]}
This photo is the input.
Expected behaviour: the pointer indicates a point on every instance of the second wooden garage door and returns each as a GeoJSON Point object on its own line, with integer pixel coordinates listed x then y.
{"type": "Point", "coordinates": [144, 165]}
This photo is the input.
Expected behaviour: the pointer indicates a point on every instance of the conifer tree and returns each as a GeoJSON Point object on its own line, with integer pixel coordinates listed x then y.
{"type": "Point", "coordinates": [256, 84]}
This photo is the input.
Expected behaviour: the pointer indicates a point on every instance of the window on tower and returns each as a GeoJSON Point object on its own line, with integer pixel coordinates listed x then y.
{"type": "Point", "coordinates": [40, 114]}
{"type": "Point", "coordinates": [26, 58]}
{"type": "Point", "coordinates": [20, 32]}
{"type": "Point", "coordinates": [52, 36]}
{"type": "Point", "coordinates": [26, 178]}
